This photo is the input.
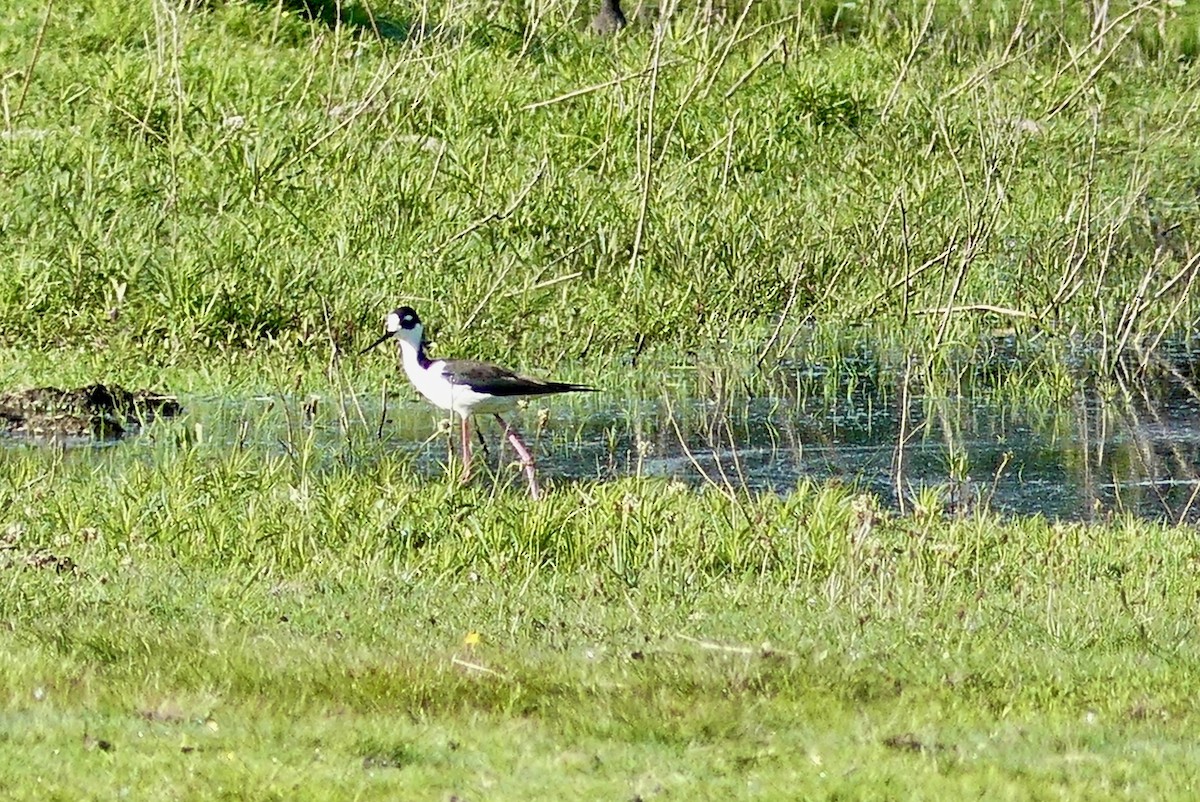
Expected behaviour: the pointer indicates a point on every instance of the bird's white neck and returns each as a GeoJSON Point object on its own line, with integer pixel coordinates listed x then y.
{"type": "Point", "coordinates": [411, 356]}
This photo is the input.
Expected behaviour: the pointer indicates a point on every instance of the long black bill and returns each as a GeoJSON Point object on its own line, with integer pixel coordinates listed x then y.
{"type": "Point", "coordinates": [387, 335]}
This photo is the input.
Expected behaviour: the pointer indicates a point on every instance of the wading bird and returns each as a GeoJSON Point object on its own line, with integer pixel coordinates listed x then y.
{"type": "Point", "coordinates": [466, 387]}
{"type": "Point", "coordinates": [609, 19]}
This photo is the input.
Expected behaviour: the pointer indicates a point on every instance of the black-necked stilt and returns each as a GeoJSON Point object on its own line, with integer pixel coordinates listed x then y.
{"type": "Point", "coordinates": [466, 387]}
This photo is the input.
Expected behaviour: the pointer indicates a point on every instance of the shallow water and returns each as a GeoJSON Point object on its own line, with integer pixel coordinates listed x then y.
{"type": "Point", "coordinates": [1087, 461]}
{"type": "Point", "coordinates": [1132, 450]}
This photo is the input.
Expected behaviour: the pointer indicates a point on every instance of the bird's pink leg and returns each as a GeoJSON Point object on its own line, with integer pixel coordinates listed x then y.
{"type": "Point", "coordinates": [466, 452]}
{"type": "Point", "coordinates": [523, 453]}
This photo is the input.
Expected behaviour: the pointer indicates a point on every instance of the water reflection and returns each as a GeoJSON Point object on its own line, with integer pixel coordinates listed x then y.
{"type": "Point", "coordinates": [1125, 448]}
{"type": "Point", "coordinates": [1131, 446]}
{"type": "Point", "coordinates": [1091, 460]}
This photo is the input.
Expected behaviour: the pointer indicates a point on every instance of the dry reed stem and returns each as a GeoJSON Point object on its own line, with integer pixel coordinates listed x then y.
{"type": "Point", "coordinates": [907, 64]}
{"type": "Point", "coordinates": [33, 60]}
{"type": "Point", "coordinates": [1095, 42]}
{"type": "Point", "coordinates": [503, 214]}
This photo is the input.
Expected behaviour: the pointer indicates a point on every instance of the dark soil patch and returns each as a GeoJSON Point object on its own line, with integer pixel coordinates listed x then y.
{"type": "Point", "coordinates": [95, 412]}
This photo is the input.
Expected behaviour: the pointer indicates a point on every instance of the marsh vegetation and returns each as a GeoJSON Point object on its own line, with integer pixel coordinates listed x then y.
{"type": "Point", "coordinates": [755, 227]}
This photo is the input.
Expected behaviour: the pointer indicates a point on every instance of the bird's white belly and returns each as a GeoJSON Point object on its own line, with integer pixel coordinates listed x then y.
{"type": "Point", "coordinates": [432, 383]}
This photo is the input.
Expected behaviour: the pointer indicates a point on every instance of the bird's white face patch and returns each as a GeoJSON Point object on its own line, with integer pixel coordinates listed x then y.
{"type": "Point", "coordinates": [392, 324]}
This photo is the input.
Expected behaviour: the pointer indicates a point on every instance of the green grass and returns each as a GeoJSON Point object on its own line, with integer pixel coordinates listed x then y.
{"type": "Point", "coordinates": [236, 177]}
{"type": "Point", "coordinates": [227, 620]}
{"type": "Point", "coordinates": [224, 198]}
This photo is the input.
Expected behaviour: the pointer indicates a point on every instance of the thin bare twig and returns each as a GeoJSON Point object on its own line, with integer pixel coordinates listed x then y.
{"type": "Point", "coordinates": [787, 308]}
{"type": "Point", "coordinates": [997, 310]}
{"type": "Point", "coordinates": [648, 168]}
{"type": "Point", "coordinates": [1006, 57]}
{"type": "Point", "coordinates": [729, 45]}
{"type": "Point", "coordinates": [683, 445]}
{"type": "Point", "coordinates": [903, 436]}
{"type": "Point", "coordinates": [476, 667]}
{"type": "Point", "coordinates": [507, 212]}
{"type": "Point", "coordinates": [1103, 62]}
{"type": "Point", "coordinates": [912, 54]}
{"type": "Point", "coordinates": [587, 90]}
{"type": "Point", "coordinates": [37, 52]}
{"type": "Point", "coordinates": [755, 67]}
{"type": "Point", "coordinates": [538, 284]}
{"type": "Point", "coordinates": [765, 649]}
{"type": "Point", "coordinates": [381, 82]}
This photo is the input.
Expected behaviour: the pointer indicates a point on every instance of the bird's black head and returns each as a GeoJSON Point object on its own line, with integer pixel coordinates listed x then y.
{"type": "Point", "coordinates": [404, 317]}
{"type": "Point", "coordinates": [403, 323]}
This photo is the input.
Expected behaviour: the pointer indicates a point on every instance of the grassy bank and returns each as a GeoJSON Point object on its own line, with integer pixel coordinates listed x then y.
{"type": "Point", "coordinates": [208, 623]}
{"type": "Point", "coordinates": [234, 176]}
